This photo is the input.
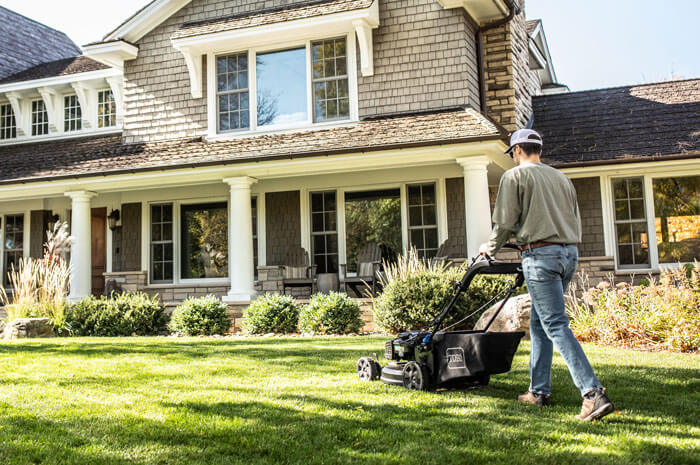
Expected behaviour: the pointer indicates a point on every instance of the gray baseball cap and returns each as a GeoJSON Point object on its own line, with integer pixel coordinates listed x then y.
{"type": "Point", "coordinates": [524, 136]}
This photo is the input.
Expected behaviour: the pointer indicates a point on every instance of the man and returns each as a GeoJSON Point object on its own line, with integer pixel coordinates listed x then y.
{"type": "Point", "coordinates": [538, 204]}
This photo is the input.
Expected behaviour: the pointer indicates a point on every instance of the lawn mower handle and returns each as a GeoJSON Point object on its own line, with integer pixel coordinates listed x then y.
{"type": "Point", "coordinates": [485, 266]}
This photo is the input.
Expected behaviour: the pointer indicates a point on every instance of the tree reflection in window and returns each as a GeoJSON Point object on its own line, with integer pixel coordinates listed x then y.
{"type": "Point", "coordinates": [677, 218]}
{"type": "Point", "coordinates": [204, 249]}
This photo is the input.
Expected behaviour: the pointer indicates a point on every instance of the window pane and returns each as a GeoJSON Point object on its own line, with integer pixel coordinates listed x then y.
{"type": "Point", "coordinates": [429, 215]}
{"type": "Point", "coordinates": [677, 218]}
{"type": "Point", "coordinates": [281, 87]}
{"type": "Point", "coordinates": [330, 80]}
{"type": "Point", "coordinates": [13, 244]}
{"type": "Point", "coordinates": [624, 255]}
{"type": "Point", "coordinates": [204, 248]}
{"type": "Point", "coordinates": [630, 222]}
{"type": "Point", "coordinates": [161, 243]}
{"type": "Point", "coordinates": [324, 242]}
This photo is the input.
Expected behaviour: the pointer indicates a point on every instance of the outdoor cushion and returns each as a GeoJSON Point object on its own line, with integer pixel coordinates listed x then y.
{"type": "Point", "coordinates": [295, 272]}
{"type": "Point", "coordinates": [365, 269]}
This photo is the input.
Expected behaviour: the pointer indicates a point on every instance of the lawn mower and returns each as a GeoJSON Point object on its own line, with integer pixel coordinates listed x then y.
{"type": "Point", "coordinates": [432, 359]}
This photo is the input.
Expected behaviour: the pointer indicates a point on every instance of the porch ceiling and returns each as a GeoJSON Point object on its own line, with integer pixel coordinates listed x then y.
{"type": "Point", "coordinates": [103, 156]}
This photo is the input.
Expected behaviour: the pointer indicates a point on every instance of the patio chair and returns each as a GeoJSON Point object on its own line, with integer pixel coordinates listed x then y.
{"type": "Point", "coordinates": [453, 250]}
{"type": "Point", "coordinates": [296, 272]}
{"type": "Point", "coordinates": [369, 259]}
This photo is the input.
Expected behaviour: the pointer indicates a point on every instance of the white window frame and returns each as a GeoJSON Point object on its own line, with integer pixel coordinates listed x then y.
{"type": "Point", "coordinates": [25, 239]}
{"type": "Point", "coordinates": [113, 116]}
{"type": "Point", "coordinates": [663, 170]}
{"type": "Point", "coordinates": [6, 128]}
{"type": "Point", "coordinates": [32, 125]}
{"type": "Point", "coordinates": [212, 100]}
{"type": "Point", "coordinates": [63, 115]}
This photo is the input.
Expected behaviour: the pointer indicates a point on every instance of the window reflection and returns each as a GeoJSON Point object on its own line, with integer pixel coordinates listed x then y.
{"type": "Point", "coordinates": [204, 248]}
{"type": "Point", "coordinates": [677, 221]}
{"type": "Point", "coordinates": [281, 87]}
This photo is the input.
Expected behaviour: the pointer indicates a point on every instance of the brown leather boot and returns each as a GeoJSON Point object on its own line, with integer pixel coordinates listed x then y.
{"type": "Point", "coordinates": [535, 399]}
{"type": "Point", "coordinates": [595, 406]}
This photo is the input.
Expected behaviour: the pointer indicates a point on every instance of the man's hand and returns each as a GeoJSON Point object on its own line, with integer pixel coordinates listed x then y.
{"type": "Point", "coordinates": [484, 249]}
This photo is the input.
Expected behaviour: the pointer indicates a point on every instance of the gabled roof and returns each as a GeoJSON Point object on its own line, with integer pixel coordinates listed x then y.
{"type": "Point", "coordinates": [63, 67]}
{"type": "Point", "coordinates": [271, 16]}
{"type": "Point", "coordinates": [633, 123]}
{"type": "Point", "coordinates": [28, 43]}
{"type": "Point", "coordinates": [531, 25]}
{"type": "Point", "coordinates": [106, 155]}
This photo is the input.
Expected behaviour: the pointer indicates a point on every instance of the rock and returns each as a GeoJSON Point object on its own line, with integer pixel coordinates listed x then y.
{"type": "Point", "coordinates": [21, 328]}
{"type": "Point", "coordinates": [515, 316]}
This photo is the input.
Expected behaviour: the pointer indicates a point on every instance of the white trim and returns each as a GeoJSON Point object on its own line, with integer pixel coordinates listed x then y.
{"type": "Point", "coordinates": [441, 207]}
{"type": "Point", "coordinates": [146, 20]}
{"type": "Point", "coordinates": [112, 54]}
{"type": "Point", "coordinates": [60, 80]}
{"type": "Point", "coordinates": [305, 217]}
{"type": "Point", "coordinates": [481, 10]}
{"type": "Point", "coordinates": [261, 232]}
{"type": "Point", "coordinates": [404, 219]}
{"type": "Point", "coordinates": [60, 136]}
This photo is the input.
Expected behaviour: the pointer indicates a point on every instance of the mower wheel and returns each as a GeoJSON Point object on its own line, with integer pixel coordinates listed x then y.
{"type": "Point", "coordinates": [415, 377]}
{"type": "Point", "coordinates": [368, 369]}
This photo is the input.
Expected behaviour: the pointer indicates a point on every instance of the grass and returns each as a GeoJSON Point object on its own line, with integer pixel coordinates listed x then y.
{"type": "Point", "coordinates": [223, 401]}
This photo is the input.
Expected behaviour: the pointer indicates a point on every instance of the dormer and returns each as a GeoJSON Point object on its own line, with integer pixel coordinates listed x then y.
{"type": "Point", "coordinates": [65, 98]}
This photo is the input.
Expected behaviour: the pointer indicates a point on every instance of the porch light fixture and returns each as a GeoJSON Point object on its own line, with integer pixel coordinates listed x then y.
{"type": "Point", "coordinates": [113, 219]}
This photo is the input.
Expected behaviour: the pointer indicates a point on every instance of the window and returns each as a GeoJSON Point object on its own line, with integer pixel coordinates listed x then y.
{"type": "Point", "coordinates": [330, 80]}
{"type": "Point", "coordinates": [281, 81]}
{"type": "Point", "coordinates": [72, 114]}
{"type": "Point", "coordinates": [106, 109]}
{"type": "Point", "coordinates": [254, 210]}
{"type": "Point", "coordinates": [372, 217]}
{"type": "Point", "coordinates": [324, 232]}
{"type": "Point", "coordinates": [162, 243]}
{"type": "Point", "coordinates": [630, 222]}
{"type": "Point", "coordinates": [281, 86]}
{"type": "Point", "coordinates": [422, 219]}
{"type": "Point", "coordinates": [677, 218]}
{"type": "Point", "coordinates": [8, 125]}
{"type": "Point", "coordinates": [13, 245]}
{"type": "Point", "coordinates": [204, 241]}
{"type": "Point", "coordinates": [232, 92]}
{"type": "Point", "coordinates": [40, 118]}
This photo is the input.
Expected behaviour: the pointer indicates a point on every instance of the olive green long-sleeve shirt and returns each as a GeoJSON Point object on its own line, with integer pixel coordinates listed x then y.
{"type": "Point", "coordinates": [536, 203]}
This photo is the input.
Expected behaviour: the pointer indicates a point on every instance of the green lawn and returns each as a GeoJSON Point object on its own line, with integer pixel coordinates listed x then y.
{"type": "Point", "coordinates": [224, 401]}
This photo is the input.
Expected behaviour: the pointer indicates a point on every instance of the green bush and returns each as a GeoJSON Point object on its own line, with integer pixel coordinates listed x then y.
{"type": "Point", "coordinates": [333, 313]}
{"type": "Point", "coordinates": [271, 313]}
{"type": "Point", "coordinates": [200, 317]}
{"type": "Point", "coordinates": [415, 292]}
{"type": "Point", "coordinates": [663, 314]}
{"type": "Point", "coordinates": [118, 315]}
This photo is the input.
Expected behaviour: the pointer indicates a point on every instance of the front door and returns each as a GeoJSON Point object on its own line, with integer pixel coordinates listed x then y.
{"type": "Point", "coordinates": [99, 250]}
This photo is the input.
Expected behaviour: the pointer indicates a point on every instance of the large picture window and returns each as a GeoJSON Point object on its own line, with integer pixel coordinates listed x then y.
{"type": "Point", "coordinates": [204, 241]}
{"type": "Point", "coordinates": [422, 219]}
{"type": "Point", "coordinates": [40, 118]}
{"type": "Point", "coordinates": [162, 243]}
{"type": "Point", "coordinates": [232, 92]}
{"type": "Point", "coordinates": [292, 86]}
{"type": "Point", "coordinates": [677, 218]}
{"type": "Point", "coordinates": [8, 124]}
{"type": "Point", "coordinates": [631, 222]}
{"type": "Point", "coordinates": [13, 244]}
{"type": "Point", "coordinates": [324, 231]}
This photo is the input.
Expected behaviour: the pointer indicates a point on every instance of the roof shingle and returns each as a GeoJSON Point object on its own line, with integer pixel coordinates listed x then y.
{"type": "Point", "coordinates": [66, 66]}
{"type": "Point", "coordinates": [633, 123]}
{"type": "Point", "coordinates": [270, 16]}
{"type": "Point", "coordinates": [107, 155]}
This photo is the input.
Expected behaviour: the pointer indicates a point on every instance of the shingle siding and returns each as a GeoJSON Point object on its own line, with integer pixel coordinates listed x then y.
{"type": "Point", "coordinates": [126, 241]}
{"type": "Point", "coordinates": [424, 58]}
{"type": "Point", "coordinates": [282, 224]}
{"type": "Point", "coordinates": [38, 225]}
{"type": "Point", "coordinates": [591, 209]}
{"type": "Point", "coordinates": [456, 223]}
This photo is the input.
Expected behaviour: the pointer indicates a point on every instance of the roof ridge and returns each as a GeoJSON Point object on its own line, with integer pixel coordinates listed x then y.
{"type": "Point", "coordinates": [628, 86]}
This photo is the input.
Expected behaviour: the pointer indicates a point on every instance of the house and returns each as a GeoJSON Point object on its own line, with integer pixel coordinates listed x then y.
{"type": "Point", "coordinates": [201, 141]}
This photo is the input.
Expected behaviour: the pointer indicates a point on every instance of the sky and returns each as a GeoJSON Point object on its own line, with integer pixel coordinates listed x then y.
{"type": "Point", "coordinates": [594, 43]}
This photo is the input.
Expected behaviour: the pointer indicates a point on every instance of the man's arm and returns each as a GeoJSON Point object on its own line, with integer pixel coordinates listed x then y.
{"type": "Point", "coordinates": [506, 214]}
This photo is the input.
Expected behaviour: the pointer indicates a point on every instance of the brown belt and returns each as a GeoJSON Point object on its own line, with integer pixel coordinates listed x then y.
{"type": "Point", "coordinates": [537, 245]}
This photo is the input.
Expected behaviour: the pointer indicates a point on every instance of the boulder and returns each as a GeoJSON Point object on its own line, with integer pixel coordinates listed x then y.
{"type": "Point", "coordinates": [21, 328]}
{"type": "Point", "coordinates": [515, 316]}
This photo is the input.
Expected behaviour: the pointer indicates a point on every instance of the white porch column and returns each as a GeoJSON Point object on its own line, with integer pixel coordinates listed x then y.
{"type": "Point", "coordinates": [476, 202]}
{"type": "Point", "coordinates": [81, 250]}
{"type": "Point", "coordinates": [240, 241]}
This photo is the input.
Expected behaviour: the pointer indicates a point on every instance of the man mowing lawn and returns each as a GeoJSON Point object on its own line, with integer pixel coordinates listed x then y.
{"type": "Point", "coordinates": [538, 204]}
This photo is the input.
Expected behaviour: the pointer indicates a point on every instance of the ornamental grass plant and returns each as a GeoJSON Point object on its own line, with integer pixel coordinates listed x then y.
{"type": "Point", "coordinates": [661, 314]}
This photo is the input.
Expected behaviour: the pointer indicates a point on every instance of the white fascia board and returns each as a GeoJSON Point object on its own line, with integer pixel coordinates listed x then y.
{"type": "Point", "coordinates": [273, 169]}
{"type": "Point", "coordinates": [59, 80]}
{"type": "Point", "coordinates": [318, 27]}
{"type": "Point", "coordinates": [112, 54]}
{"type": "Point", "coordinates": [483, 11]}
{"type": "Point", "coordinates": [535, 53]}
{"type": "Point", "coordinates": [146, 20]}
{"type": "Point", "coordinates": [623, 169]}
{"type": "Point", "coordinates": [538, 35]}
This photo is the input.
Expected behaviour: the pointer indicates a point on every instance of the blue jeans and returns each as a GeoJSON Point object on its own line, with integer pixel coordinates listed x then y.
{"type": "Point", "coordinates": [548, 271]}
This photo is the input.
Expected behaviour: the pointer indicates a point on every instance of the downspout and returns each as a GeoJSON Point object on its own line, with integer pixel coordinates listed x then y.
{"type": "Point", "coordinates": [513, 10]}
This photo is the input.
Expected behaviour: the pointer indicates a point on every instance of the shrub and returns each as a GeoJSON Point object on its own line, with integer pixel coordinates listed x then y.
{"type": "Point", "coordinates": [271, 313]}
{"type": "Point", "coordinates": [415, 292]}
{"type": "Point", "coordinates": [203, 316]}
{"type": "Point", "coordinates": [333, 313]}
{"type": "Point", "coordinates": [662, 314]}
{"type": "Point", "coordinates": [119, 315]}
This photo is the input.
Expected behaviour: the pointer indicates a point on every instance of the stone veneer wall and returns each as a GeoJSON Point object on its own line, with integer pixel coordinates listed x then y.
{"type": "Point", "coordinates": [126, 240]}
{"type": "Point", "coordinates": [282, 225]}
{"type": "Point", "coordinates": [424, 58]}
{"type": "Point", "coordinates": [510, 83]}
